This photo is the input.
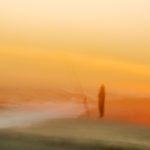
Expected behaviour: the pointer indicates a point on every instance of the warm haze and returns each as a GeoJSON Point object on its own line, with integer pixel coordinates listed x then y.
{"type": "Point", "coordinates": [51, 43]}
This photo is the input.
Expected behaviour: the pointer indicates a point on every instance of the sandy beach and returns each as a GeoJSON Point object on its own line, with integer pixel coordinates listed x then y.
{"type": "Point", "coordinates": [59, 130]}
{"type": "Point", "coordinates": [70, 134]}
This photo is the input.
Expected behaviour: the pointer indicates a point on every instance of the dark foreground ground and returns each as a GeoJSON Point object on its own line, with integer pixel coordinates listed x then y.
{"type": "Point", "coordinates": [76, 134]}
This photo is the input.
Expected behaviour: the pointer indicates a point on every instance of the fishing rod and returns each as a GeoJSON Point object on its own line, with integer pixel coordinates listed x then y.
{"type": "Point", "coordinates": [76, 77]}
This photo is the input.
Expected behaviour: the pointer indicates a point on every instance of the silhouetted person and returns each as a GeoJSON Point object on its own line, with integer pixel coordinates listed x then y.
{"type": "Point", "coordinates": [101, 101]}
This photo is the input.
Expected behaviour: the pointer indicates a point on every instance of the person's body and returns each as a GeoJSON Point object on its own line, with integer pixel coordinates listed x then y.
{"type": "Point", "coordinates": [101, 101]}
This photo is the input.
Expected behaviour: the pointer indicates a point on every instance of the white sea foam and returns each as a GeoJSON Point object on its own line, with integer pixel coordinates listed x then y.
{"type": "Point", "coordinates": [26, 117]}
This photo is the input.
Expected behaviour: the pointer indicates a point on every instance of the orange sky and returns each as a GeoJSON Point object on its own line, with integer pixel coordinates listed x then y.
{"type": "Point", "coordinates": [43, 42]}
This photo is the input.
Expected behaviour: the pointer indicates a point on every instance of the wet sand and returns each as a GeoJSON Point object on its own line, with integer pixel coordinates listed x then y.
{"type": "Point", "coordinates": [70, 134]}
{"type": "Point", "coordinates": [43, 127]}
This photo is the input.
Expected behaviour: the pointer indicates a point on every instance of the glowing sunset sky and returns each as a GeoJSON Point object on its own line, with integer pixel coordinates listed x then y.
{"type": "Point", "coordinates": [106, 41]}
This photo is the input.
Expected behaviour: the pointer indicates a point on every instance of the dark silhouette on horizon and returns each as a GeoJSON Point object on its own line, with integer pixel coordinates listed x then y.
{"type": "Point", "coordinates": [101, 101]}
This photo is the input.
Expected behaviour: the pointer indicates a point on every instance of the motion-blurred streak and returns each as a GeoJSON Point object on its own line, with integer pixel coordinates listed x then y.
{"type": "Point", "coordinates": [101, 100]}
